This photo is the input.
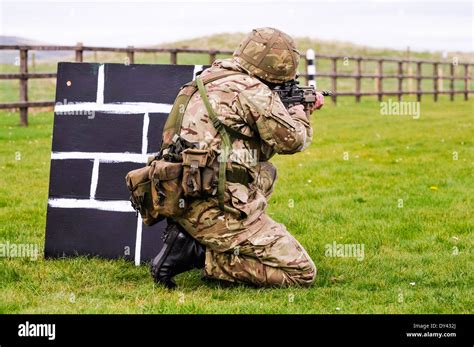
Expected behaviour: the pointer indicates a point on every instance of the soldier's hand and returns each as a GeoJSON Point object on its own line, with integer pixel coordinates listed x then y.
{"type": "Point", "coordinates": [317, 104]}
{"type": "Point", "coordinates": [319, 101]}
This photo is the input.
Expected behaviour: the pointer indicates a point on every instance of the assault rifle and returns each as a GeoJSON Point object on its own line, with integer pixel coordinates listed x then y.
{"type": "Point", "coordinates": [292, 94]}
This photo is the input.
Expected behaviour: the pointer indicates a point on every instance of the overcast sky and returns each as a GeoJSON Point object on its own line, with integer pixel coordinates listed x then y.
{"type": "Point", "coordinates": [422, 25]}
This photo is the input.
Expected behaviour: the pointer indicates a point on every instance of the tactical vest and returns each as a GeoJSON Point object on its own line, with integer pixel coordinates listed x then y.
{"type": "Point", "coordinates": [157, 190]}
{"type": "Point", "coordinates": [173, 125]}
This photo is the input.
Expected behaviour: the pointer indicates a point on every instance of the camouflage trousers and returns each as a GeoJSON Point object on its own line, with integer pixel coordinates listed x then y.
{"type": "Point", "coordinates": [250, 249]}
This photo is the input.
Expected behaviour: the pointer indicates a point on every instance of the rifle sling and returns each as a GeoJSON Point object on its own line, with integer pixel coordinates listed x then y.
{"type": "Point", "coordinates": [225, 147]}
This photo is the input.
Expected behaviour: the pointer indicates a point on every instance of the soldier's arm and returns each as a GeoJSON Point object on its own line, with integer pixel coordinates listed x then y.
{"type": "Point", "coordinates": [286, 131]}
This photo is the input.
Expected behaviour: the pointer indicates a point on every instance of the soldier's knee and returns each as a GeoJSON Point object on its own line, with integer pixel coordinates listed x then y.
{"type": "Point", "coordinates": [305, 276]}
{"type": "Point", "coordinates": [311, 274]}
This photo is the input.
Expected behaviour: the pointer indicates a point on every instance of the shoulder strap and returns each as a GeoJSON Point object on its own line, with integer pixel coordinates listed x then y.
{"type": "Point", "coordinates": [211, 77]}
{"type": "Point", "coordinates": [225, 147]}
{"type": "Point", "coordinates": [175, 118]}
{"type": "Point", "coordinates": [214, 77]}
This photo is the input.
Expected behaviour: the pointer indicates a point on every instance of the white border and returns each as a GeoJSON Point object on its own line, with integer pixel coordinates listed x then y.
{"type": "Point", "coordinates": [103, 205]}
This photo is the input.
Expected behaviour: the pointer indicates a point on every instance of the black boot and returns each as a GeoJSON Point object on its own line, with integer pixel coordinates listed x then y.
{"type": "Point", "coordinates": [180, 253]}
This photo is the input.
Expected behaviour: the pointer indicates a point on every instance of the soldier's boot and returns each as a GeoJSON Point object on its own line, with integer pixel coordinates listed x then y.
{"type": "Point", "coordinates": [180, 253]}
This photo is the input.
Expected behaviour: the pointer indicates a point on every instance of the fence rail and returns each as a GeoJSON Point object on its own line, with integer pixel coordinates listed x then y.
{"type": "Point", "coordinates": [437, 77]}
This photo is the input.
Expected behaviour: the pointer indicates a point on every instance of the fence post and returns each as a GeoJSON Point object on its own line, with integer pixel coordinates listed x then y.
{"type": "Point", "coordinates": [440, 78]}
{"type": "Point", "coordinates": [451, 82]}
{"type": "Point", "coordinates": [33, 61]}
{"type": "Point", "coordinates": [400, 80]}
{"type": "Point", "coordinates": [466, 79]}
{"type": "Point", "coordinates": [174, 56]}
{"type": "Point", "coordinates": [418, 81]}
{"type": "Point", "coordinates": [380, 80]}
{"type": "Point", "coordinates": [79, 52]}
{"type": "Point", "coordinates": [310, 68]}
{"type": "Point", "coordinates": [24, 85]}
{"type": "Point", "coordinates": [410, 79]}
{"type": "Point", "coordinates": [358, 72]}
{"type": "Point", "coordinates": [131, 55]}
{"type": "Point", "coordinates": [435, 81]}
{"type": "Point", "coordinates": [306, 69]}
{"type": "Point", "coordinates": [334, 79]}
{"type": "Point", "coordinates": [212, 56]}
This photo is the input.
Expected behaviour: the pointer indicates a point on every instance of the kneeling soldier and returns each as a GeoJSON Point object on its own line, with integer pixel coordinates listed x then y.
{"type": "Point", "coordinates": [229, 235]}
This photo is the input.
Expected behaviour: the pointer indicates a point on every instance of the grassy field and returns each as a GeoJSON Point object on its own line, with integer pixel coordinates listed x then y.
{"type": "Point", "coordinates": [417, 257]}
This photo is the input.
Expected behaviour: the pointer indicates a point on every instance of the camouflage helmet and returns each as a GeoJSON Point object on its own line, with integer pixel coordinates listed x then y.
{"type": "Point", "coordinates": [269, 54]}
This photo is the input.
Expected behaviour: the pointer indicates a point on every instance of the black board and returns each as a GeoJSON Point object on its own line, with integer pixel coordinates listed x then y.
{"type": "Point", "coordinates": [108, 119]}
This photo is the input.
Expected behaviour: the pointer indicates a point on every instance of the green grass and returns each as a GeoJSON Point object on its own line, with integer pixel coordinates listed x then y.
{"type": "Point", "coordinates": [347, 201]}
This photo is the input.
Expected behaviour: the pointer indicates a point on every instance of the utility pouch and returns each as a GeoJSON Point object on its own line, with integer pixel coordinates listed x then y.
{"type": "Point", "coordinates": [139, 185]}
{"type": "Point", "coordinates": [194, 162]}
{"type": "Point", "coordinates": [210, 177]}
{"type": "Point", "coordinates": [167, 191]}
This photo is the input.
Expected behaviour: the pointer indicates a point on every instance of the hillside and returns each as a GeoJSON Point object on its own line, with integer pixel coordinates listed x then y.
{"type": "Point", "coordinates": [47, 62]}
{"type": "Point", "coordinates": [231, 41]}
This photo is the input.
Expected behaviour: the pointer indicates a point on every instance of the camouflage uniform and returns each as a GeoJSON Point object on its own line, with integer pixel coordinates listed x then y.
{"type": "Point", "coordinates": [252, 248]}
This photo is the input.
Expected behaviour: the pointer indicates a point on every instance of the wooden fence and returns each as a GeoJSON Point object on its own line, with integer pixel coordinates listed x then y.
{"type": "Point", "coordinates": [379, 76]}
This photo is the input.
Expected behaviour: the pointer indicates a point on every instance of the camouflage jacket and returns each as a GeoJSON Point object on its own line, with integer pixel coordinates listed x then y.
{"type": "Point", "coordinates": [248, 106]}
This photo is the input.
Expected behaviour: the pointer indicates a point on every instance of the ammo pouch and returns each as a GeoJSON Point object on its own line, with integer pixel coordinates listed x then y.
{"type": "Point", "coordinates": [200, 173]}
{"type": "Point", "coordinates": [166, 187]}
{"type": "Point", "coordinates": [155, 190]}
{"type": "Point", "coordinates": [139, 185]}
